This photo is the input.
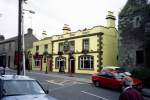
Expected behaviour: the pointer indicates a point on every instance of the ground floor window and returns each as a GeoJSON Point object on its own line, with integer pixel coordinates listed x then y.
{"type": "Point", "coordinates": [37, 62]}
{"type": "Point", "coordinates": [60, 63]}
{"type": "Point", "coordinates": [140, 57]}
{"type": "Point", "coordinates": [86, 62]}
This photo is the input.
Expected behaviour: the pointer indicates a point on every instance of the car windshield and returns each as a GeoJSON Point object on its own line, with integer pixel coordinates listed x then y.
{"type": "Point", "coordinates": [21, 87]}
{"type": "Point", "coordinates": [117, 75]}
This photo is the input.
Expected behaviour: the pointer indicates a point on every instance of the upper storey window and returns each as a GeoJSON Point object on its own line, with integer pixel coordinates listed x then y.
{"type": "Point", "coordinates": [37, 48]}
{"type": "Point", "coordinates": [137, 21]}
{"type": "Point", "coordinates": [61, 47]}
{"type": "Point", "coordinates": [86, 44]}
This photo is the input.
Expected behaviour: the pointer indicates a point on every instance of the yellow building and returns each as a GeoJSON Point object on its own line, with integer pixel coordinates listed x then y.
{"type": "Point", "coordinates": [85, 51]}
{"type": "Point", "coordinates": [42, 55]}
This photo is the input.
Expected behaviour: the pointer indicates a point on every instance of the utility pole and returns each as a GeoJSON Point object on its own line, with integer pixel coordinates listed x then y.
{"type": "Point", "coordinates": [19, 36]}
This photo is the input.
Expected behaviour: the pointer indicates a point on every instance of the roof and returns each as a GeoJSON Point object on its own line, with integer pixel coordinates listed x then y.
{"type": "Point", "coordinates": [15, 77]}
{"type": "Point", "coordinates": [14, 38]}
{"type": "Point", "coordinates": [9, 40]}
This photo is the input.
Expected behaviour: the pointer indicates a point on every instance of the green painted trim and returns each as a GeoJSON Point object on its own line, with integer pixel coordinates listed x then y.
{"type": "Point", "coordinates": [100, 50]}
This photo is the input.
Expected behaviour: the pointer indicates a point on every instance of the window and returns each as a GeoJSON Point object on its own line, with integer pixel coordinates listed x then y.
{"type": "Point", "coordinates": [86, 62]}
{"type": "Point", "coordinates": [137, 22]}
{"type": "Point", "coordinates": [9, 46]}
{"type": "Point", "coordinates": [37, 48]}
{"type": "Point", "coordinates": [86, 44]}
{"type": "Point", "coordinates": [66, 46]}
{"type": "Point", "coordinates": [139, 57]}
{"type": "Point", "coordinates": [61, 47]}
{"type": "Point", "coordinates": [72, 46]}
{"type": "Point", "coordinates": [37, 62]}
{"type": "Point", "coordinates": [60, 62]}
{"type": "Point", "coordinates": [46, 47]}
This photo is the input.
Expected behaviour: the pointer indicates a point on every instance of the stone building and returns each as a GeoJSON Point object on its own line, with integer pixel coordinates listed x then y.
{"type": "Point", "coordinates": [134, 34]}
{"type": "Point", "coordinates": [9, 47]}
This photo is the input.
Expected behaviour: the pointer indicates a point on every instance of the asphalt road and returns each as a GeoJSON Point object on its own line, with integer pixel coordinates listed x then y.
{"type": "Point", "coordinates": [64, 89]}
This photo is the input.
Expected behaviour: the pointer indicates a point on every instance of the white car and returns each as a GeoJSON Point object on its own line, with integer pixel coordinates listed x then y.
{"type": "Point", "coordinates": [17, 87]}
{"type": "Point", "coordinates": [2, 70]}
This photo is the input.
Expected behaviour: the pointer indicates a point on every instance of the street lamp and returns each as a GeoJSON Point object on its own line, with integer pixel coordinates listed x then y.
{"type": "Point", "coordinates": [23, 44]}
{"type": "Point", "coordinates": [46, 55]}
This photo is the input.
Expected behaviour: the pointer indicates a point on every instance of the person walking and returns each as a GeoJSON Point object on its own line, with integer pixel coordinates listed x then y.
{"type": "Point", "coordinates": [129, 93]}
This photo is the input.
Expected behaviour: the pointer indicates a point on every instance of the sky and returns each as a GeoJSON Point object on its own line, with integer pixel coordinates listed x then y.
{"type": "Point", "coordinates": [51, 15]}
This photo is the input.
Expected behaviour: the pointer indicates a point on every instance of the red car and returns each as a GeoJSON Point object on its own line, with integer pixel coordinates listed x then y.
{"type": "Point", "coordinates": [112, 79]}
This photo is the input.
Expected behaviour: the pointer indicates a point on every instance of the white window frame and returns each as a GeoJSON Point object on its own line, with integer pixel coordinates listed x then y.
{"type": "Point", "coordinates": [37, 60]}
{"type": "Point", "coordinates": [85, 58]}
{"type": "Point", "coordinates": [58, 60]}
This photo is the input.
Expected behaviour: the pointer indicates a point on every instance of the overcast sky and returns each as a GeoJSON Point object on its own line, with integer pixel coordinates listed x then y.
{"type": "Point", "coordinates": [51, 15]}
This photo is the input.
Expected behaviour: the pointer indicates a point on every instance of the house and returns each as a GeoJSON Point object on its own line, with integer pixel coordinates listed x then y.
{"type": "Point", "coordinates": [41, 55]}
{"type": "Point", "coordinates": [9, 47]}
{"type": "Point", "coordinates": [85, 51]}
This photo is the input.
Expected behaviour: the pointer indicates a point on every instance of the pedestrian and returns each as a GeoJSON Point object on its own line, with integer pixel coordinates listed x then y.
{"type": "Point", "coordinates": [129, 93]}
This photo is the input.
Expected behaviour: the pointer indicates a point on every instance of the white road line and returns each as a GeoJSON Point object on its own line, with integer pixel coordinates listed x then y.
{"type": "Point", "coordinates": [52, 81]}
{"type": "Point", "coordinates": [94, 95]}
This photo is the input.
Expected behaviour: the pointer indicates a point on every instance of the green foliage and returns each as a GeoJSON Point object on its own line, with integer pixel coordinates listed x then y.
{"type": "Point", "coordinates": [143, 74]}
{"type": "Point", "coordinates": [99, 68]}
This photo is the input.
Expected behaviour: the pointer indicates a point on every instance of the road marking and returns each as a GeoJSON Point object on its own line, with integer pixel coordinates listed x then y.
{"type": "Point", "coordinates": [59, 88]}
{"type": "Point", "coordinates": [63, 82]}
{"type": "Point", "coordinates": [94, 95]}
{"type": "Point", "coordinates": [53, 82]}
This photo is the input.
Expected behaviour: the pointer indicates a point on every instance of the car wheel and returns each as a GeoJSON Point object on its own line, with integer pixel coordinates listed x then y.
{"type": "Point", "coordinates": [97, 83]}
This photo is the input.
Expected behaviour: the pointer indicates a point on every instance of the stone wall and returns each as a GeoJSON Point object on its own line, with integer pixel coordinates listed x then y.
{"type": "Point", "coordinates": [133, 21]}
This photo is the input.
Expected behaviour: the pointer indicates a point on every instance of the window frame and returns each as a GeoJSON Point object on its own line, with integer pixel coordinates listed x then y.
{"type": "Point", "coordinates": [82, 61]}
{"type": "Point", "coordinates": [58, 60]}
{"type": "Point", "coordinates": [46, 47]}
{"type": "Point", "coordinates": [61, 46]}
{"type": "Point", "coordinates": [37, 48]}
{"type": "Point", "coordinates": [72, 45]}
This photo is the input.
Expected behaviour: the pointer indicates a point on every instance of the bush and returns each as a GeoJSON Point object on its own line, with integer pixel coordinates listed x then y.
{"type": "Point", "coordinates": [142, 74]}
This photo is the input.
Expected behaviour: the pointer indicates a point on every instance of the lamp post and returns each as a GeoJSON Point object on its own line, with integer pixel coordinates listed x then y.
{"type": "Point", "coordinates": [19, 35]}
{"type": "Point", "coordinates": [46, 60]}
{"type": "Point", "coordinates": [23, 44]}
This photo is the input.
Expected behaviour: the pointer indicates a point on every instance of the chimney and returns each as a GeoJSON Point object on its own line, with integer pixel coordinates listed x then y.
{"type": "Point", "coordinates": [66, 29]}
{"type": "Point", "coordinates": [2, 37]}
{"type": "Point", "coordinates": [44, 34]}
{"type": "Point", "coordinates": [110, 19]}
{"type": "Point", "coordinates": [30, 31]}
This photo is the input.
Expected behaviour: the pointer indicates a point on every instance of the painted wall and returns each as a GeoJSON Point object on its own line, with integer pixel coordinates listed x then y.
{"type": "Point", "coordinates": [110, 47]}
{"type": "Point", "coordinates": [41, 44]}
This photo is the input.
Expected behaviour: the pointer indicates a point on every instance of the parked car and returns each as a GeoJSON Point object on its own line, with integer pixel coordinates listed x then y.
{"type": "Point", "coordinates": [2, 70]}
{"type": "Point", "coordinates": [113, 68]}
{"type": "Point", "coordinates": [17, 87]}
{"type": "Point", "coordinates": [113, 79]}
{"type": "Point", "coordinates": [117, 69]}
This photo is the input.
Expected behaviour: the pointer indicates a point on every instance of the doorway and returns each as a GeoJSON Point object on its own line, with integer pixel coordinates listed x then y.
{"type": "Point", "coordinates": [71, 67]}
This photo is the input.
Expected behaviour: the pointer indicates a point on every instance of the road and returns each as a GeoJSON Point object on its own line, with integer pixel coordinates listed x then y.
{"type": "Point", "coordinates": [67, 89]}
